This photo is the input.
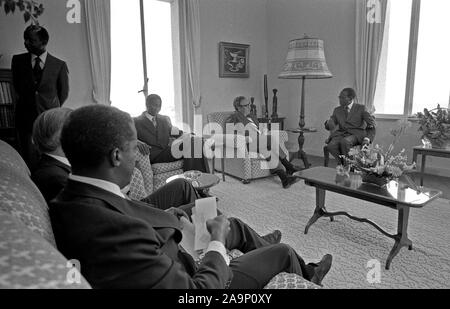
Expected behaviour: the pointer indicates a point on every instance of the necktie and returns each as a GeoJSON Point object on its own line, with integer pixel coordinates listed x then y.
{"type": "Point", "coordinates": [37, 71]}
{"type": "Point", "coordinates": [347, 111]}
{"type": "Point", "coordinates": [154, 121]}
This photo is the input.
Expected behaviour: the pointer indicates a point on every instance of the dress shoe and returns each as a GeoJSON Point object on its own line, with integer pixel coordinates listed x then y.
{"type": "Point", "coordinates": [322, 269]}
{"type": "Point", "coordinates": [273, 238]}
{"type": "Point", "coordinates": [289, 181]}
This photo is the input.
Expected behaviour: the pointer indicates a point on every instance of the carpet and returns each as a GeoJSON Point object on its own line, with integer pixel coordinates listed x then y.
{"type": "Point", "coordinates": [265, 206]}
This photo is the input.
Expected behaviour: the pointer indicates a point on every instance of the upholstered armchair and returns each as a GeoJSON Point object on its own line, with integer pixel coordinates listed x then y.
{"type": "Point", "coordinates": [248, 167]}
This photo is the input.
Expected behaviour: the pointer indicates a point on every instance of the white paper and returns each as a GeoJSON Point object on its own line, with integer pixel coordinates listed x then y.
{"type": "Point", "coordinates": [188, 240]}
{"type": "Point", "coordinates": [205, 209]}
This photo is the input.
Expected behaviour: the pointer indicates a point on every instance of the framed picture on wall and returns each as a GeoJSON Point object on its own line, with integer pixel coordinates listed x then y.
{"type": "Point", "coordinates": [234, 60]}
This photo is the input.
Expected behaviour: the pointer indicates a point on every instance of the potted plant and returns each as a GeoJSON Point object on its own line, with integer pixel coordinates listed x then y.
{"type": "Point", "coordinates": [31, 9]}
{"type": "Point", "coordinates": [435, 127]}
{"type": "Point", "coordinates": [377, 165]}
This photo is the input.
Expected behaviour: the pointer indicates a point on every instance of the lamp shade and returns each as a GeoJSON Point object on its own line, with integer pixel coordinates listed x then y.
{"type": "Point", "coordinates": [305, 58]}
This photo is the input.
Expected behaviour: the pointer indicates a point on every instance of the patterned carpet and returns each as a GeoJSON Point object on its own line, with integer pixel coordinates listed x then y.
{"type": "Point", "coordinates": [265, 206]}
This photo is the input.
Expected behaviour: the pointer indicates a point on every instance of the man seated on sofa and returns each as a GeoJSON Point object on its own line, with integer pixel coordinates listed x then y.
{"type": "Point", "coordinates": [242, 116]}
{"type": "Point", "coordinates": [351, 124]}
{"type": "Point", "coordinates": [53, 169]}
{"type": "Point", "coordinates": [126, 244]}
{"type": "Point", "coordinates": [157, 131]}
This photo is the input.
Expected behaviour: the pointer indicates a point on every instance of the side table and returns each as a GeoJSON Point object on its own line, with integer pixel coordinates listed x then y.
{"type": "Point", "coordinates": [424, 152]}
{"type": "Point", "coordinates": [301, 141]}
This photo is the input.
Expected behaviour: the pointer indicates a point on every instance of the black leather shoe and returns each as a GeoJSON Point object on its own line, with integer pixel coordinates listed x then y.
{"type": "Point", "coordinates": [322, 269]}
{"type": "Point", "coordinates": [293, 170]}
{"type": "Point", "coordinates": [273, 238]}
{"type": "Point", "coordinates": [289, 181]}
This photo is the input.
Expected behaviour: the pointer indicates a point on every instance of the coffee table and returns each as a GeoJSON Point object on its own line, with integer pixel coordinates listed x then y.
{"type": "Point", "coordinates": [202, 183]}
{"type": "Point", "coordinates": [396, 195]}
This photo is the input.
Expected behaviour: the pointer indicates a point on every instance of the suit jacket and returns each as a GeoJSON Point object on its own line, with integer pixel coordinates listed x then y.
{"type": "Point", "coordinates": [128, 244]}
{"type": "Point", "coordinates": [52, 91]}
{"type": "Point", "coordinates": [238, 117]}
{"type": "Point", "coordinates": [158, 138]}
{"type": "Point", "coordinates": [50, 176]}
{"type": "Point", "coordinates": [359, 123]}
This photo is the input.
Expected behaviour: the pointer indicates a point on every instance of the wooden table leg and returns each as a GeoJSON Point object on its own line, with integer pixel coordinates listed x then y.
{"type": "Point", "coordinates": [320, 208]}
{"type": "Point", "coordinates": [422, 168]}
{"type": "Point", "coordinates": [301, 153]}
{"type": "Point", "coordinates": [401, 239]}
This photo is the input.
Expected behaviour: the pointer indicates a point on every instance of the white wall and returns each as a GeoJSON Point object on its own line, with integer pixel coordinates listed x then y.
{"type": "Point", "coordinates": [234, 21]}
{"type": "Point", "coordinates": [67, 42]}
{"type": "Point", "coordinates": [333, 22]}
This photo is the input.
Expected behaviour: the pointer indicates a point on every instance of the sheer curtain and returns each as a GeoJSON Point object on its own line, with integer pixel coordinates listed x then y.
{"type": "Point", "coordinates": [98, 21]}
{"type": "Point", "coordinates": [189, 32]}
{"type": "Point", "coordinates": [369, 43]}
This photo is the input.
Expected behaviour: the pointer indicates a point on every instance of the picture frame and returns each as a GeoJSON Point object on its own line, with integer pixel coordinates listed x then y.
{"type": "Point", "coordinates": [234, 60]}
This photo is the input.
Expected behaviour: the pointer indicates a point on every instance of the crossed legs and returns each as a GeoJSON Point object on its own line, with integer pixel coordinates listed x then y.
{"type": "Point", "coordinates": [340, 145]}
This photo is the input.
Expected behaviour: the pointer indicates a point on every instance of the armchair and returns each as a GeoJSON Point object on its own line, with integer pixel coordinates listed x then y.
{"type": "Point", "coordinates": [248, 166]}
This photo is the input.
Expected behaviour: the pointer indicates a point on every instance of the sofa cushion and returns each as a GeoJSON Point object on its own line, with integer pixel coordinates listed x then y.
{"type": "Point", "coordinates": [20, 197]}
{"type": "Point", "coordinates": [27, 261]}
{"type": "Point", "coordinates": [161, 168]}
{"type": "Point", "coordinates": [11, 158]}
{"type": "Point", "coordinates": [290, 281]}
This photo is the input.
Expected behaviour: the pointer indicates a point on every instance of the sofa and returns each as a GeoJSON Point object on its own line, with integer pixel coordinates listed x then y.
{"type": "Point", "coordinates": [246, 167]}
{"type": "Point", "coordinates": [28, 254]}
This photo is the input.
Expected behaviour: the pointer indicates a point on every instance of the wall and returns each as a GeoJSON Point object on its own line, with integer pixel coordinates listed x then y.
{"type": "Point", "coordinates": [333, 22]}
{"type": "Point", "coordinates": [67, 41]}
{"type": "Point", "coordinates": [234, 21]}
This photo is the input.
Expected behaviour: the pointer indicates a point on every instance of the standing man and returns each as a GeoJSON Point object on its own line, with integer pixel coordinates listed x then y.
{"type": "Point", "coordinates": [351, 124]}
{"type": "Point", "coordinates": [157, 131]}
{"type": "Point", "coordinates": [41, 82]}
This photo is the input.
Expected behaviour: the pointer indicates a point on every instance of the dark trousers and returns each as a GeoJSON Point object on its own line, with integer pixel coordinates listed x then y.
{"type": "Point", "coordinates": [174, 194]}
{"type": "Point", "coordinates": [340, 145]}
{"type": "Point", "coordinates": [189, 164]}
{"type": "Point", "coordinates": [28, 151]}
{"type": "Point", "coordinates": [261, 261]}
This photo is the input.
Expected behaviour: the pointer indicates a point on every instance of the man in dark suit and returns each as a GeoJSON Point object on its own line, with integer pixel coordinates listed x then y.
{"type": "Point", "coordinates": [53, 168]}
{"type": "Point", "coordinates": [351, 124]}
{"type": "Point", "coordinates": [41, 82]}
{"type": "Point", "coordinates": [250, 127]}
{"type": "Point", "coordinates": [157, 131]}
{"type": "Point", "coordinates": [126, 244]}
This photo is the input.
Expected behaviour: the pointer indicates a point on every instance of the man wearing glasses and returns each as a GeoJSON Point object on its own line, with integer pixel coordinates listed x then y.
{"type": "Point", "coordinates": [351, 124]}
{"type": "Point", "coordinates": [251, 128]}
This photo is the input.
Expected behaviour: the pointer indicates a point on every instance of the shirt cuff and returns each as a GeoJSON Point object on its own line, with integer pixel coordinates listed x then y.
{"type": "Point", "coordinates": [218, 247]}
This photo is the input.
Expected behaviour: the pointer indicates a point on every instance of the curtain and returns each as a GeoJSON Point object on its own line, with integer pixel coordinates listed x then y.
{"type": "Point", "coordinates": [189, 24]}
{"type": "Point", "coordinates": [98, 22]}
{"type": "Point", "coordinates": [370, 22]}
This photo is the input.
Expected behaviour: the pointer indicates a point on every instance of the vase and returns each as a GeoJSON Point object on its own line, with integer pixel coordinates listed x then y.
{"type": "Point", "coordinates": [374, 179]}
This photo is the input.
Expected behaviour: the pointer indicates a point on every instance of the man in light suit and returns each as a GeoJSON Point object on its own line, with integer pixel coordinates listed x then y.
{"type": "Point", "coordinates": [157, 131]}
{"type": "Point", "coordinates": [284, 168]}
{"type": "Point", "coordinates": [351, 124]}
{"type": "Point", "coordinates": [41, 82]}
{"type": "Point", "coordinates": [127, 244]}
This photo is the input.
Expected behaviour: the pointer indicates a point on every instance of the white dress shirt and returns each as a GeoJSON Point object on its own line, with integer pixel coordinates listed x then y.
{"type": "Point", "coordinates": [216, 246]}
{"type": "Point", "coordinates": [60, 159]}
{"type": "Point", "coordinates": [43, 58]}
{"type": "Point", "coordinates": [151, 118]}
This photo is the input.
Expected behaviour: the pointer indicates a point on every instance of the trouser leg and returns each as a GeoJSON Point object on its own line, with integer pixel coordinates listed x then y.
{"type": "Point", "coordinates": [174, 194]}
{"type": "Point", "coordinates": [334, 148]}
{"type": "Point", "coordinates": [346, 143]}
{"type": "Point", "coordinates": [256, 268]}
{"type": "Point", "coordinates": [243, 238]}
{"type": "Point", "coordinates": [196, 159]}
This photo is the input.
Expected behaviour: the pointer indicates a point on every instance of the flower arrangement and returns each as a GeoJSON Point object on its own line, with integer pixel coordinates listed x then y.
{"type": "Point", "coordinates": [31, 9]}
{"type": "Point", "coordinates": [435, 126]}
{"type": "Point", "coordinates": [375, 162]}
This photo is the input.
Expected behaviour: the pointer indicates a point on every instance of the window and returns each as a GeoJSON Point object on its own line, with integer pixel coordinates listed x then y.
{"type": "Point", "coordinates": [135, 27]}
{"type": "Point", "coordinates": [415, 58]}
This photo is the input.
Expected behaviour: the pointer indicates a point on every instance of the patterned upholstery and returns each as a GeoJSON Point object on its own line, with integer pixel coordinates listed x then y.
{"type": "Point", "coordinates": [161, 168]}
{"type": "Point", "coordinates": [9, 157]}
{"type": "Point", "coordinates": [27, 261]}
{"type": "Point", "coordinates": [20, 197]}
{"type": "Point", "coordinates": [290, 281]}
{"type": "Point", "coordinates": [246, 168]}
